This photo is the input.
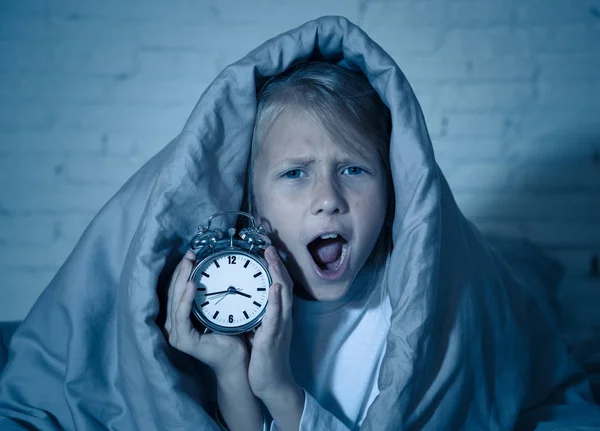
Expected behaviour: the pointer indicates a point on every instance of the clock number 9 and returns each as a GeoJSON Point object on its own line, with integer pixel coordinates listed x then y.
{"type": "Point", "coordinates": [231, 318]}
{"type": "Point", "coordinates": [231, 260]}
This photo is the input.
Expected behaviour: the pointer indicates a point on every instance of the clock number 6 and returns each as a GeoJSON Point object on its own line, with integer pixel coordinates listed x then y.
{"type": "Point", "coordinates": [231, 260]}
{"type": "Point", "coordinates": [231, 318]}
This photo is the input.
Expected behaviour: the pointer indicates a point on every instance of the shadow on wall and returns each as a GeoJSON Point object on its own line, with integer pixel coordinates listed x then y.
{"type": "Point", "coordinates": [553, 202]}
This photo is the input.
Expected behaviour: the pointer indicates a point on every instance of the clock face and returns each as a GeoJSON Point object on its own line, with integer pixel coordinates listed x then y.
{"type": "Point", "coordinates": [232, 288]}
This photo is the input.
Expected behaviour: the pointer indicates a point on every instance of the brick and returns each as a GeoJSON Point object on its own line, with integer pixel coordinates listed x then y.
{"type": "Point", "coordinates": [191, 12]}
{"type": "Point", "coordinates": [81, 34]}
{"type": "Point", "coordinates": [153, 91]}
{"type": "Point", "coordinates": [94, 59]}
{"type": "Point", "coordinates": [509, 67]}
{"type": "Point", "coordinates": [477, 176]}
{"type": "Point", "coordinates": [55, 198]}
{"type": "Point", "coordinates": [27, 172]}
{"type": "Point", "coordinates": [523, 206]}
{"type": "Point", "coordinates": [558, 122]}
{"type": "Point", "coordinates": [577, 94]}
{"type": "Point", "coordinates": [479, 125]}
{"type": "Point", "coordinates": [46, 257]}
{"type": "Point", "coordinates": [573, 38]}
{"type": "Point", "coordinates": [532, 177]}
{"type": "Point", "coordinates": [426, 69]}
{"type": "Point", "coordinates": [567, 68]}
{"type": "Point", "coordinates": [102, 170]}
{"type": "Point", "coordinates": [121, 118]}
{"type": "Point", "coordinates": [557, 176]}
{"type": "Point", "coordinates": [482, 97]}
{"type": "Point", "coordinates": [528, 41]}
{"type": "Point", "coordinates": [469, 69]}
{"type": "Point", "coordinates": [166, 63]}
{"type": "Point", "coordinates": [406, 42]}
{"type": "Point", "coordinates": [37, 229]}
{"type": "Point", "coordinates": [56, 87]}
{"type": "Point", "coordinates": [544, 233]}
{"type": "Point", "coordinates": [22, 116]}
{"type": "Point", "coordinates": [451, 149]}
{"type": "Point", "coordinates": [24, 28]}
{"type": "Point", "coordinates": [212, 39]}
{"type": "Point", "coordinates": [439, 13]}
{"type": "Point", "coordinates": [481, 43]}
{"type": "Point", "coordinates": [136, 145]}
{"type": "Point", "coordinates": [574, 146]}
{"type": "Point", "coordinates": [25, 7]}
{"type": "Point", "coordinates": [34, 230]}
{"type": "Point", "coordinates": [132, 13]}
{"type": "Point", "coordinates": [20, 291]}
{"type": "Point", "coordinates": [49, 142]}
{"type": "Point", "coordinates": [289, 13]}
{"type": "Point", "coordinates": [557, 12]}
{"type": "Point", "coordinates": [65, 87]}
{"type": "Point", "coordinates": [27, 231]}
{"type": "Point", "coordinates": [18, 57]}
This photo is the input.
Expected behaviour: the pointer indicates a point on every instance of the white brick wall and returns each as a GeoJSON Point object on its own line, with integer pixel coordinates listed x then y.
{"type": "Point", "coordinates": [510, 89]}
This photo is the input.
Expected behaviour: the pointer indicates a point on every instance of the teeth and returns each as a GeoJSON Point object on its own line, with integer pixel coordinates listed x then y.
{"type": "Point", "coordinates": [330, 235]}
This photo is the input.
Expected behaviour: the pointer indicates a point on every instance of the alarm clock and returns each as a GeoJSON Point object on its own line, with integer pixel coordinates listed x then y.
{"type": "Point", "coordinates": [231, 276]}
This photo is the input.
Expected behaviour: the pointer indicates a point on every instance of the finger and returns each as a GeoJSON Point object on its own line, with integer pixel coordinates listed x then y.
{"type": "Point", "coordinates": [280, 274]}
{"type": "Point", "coordinates": [168, 323]}
{"type": "Point", "coordinates": [183, 324]}
{"type": "Point", "coordinates": [179, 283]}
{"type": "Point", "coordinates": [271, 323]}
{"type": "Point", "coordinates": [249, 339]}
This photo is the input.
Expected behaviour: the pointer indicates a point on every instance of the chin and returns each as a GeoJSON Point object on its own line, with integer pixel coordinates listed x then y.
{"type": "Point", "coordinates": [328, 293]}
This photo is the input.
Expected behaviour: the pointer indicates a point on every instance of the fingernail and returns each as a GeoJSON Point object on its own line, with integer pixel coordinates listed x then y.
{"type": "Point", "coordinates": [189, 255]}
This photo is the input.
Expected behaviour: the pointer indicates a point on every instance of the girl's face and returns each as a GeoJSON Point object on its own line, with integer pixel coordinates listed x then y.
{"type": "Point", "coordinates": [325, 206]}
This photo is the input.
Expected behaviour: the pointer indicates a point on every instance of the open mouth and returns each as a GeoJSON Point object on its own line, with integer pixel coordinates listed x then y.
{"type": "Point", "coordinates": [329, 252]}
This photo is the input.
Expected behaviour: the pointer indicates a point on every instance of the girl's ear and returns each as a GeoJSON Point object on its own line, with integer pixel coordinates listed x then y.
{"type": "Point", "coordinates": [264, 222]}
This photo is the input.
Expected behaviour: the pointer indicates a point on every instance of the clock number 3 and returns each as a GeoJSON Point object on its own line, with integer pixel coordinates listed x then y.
{"type": "Point", "coordinates": [231, 260]}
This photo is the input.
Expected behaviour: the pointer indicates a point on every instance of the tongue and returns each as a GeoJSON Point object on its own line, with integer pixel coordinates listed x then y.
{"type": "Point", "coordinates": [328, 251]}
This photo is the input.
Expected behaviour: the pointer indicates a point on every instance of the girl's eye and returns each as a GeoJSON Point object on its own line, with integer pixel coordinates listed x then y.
{"type": "Point", "coordinates": [293, 173]}
{"type": "Point", "coordinates": [353, 170]}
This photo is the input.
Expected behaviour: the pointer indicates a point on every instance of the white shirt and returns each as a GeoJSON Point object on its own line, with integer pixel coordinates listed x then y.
{"type": "Point", "coordinates": [336, 353]}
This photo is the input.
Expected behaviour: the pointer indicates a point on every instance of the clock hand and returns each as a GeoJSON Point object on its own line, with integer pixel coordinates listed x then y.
{"type": "Point", "coordinates": [216, 293]}
{"type": "Point", "coordinates": [230, 291]}
{"type": "Point", "coordinates": [221, 298]}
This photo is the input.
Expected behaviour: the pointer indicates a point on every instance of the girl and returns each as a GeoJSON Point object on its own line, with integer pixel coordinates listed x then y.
{"type": "Point", "coordinates": [319, 176]}
{"type": "Point", "coordinates": [445, 338]}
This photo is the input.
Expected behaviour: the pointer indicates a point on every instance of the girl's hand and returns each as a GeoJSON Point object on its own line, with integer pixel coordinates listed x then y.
{"type": "Point", "coordinates": [226, 355]}
{"type": "Point", "coordinates": [269, 371]}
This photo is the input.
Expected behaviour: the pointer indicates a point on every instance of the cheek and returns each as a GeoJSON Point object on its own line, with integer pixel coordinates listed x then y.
{"type": "Point", "coordinates": [280, 210]}
{"type": "Point", "coordinates": [373, 206]}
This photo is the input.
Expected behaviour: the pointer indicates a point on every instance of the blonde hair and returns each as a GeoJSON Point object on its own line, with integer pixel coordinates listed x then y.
{"type": "Point", "coordinates": [345, 104]}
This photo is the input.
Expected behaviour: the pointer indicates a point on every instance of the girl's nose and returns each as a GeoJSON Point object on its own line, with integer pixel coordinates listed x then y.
{"type": "Point", "coordinates": [328, 198]}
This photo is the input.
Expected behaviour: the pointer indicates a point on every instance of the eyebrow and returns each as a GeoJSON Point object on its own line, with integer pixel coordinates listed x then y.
{"type": "Point", "coordinates": [294, 161]}
{"type": "Point", "coordinates": [304, 162]}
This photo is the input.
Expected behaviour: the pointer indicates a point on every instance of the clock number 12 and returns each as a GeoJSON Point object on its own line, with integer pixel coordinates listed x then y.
{"type": "Point", "coordinates": [231, 260]}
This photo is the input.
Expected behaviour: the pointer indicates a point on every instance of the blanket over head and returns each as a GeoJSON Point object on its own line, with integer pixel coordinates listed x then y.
{"type": "Point", "coordinates": [469, 346]}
